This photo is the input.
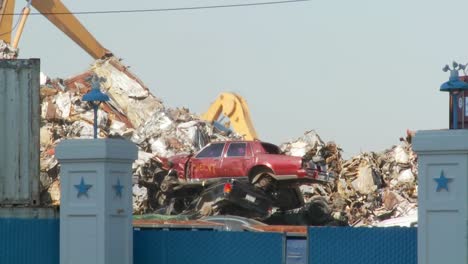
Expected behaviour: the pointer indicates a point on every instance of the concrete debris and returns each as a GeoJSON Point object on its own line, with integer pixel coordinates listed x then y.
{"type": "Point", "coordinates": [128, 94]}
{"type": "Point", "coordinates": [7, 51]}
{"type": "Point", "coordinates": [365, 182]}
{"type": "Point", "coordinates": [140, 199]}
{"type": "Point", "coordinates": [299, 147]}
{"type": "Point", "coordinates": [369, 187]}
{"type": "Point", "coordinates": [312, 147]}
{"type": "Point", "coordinates": [43, 79]}
{"type": "Point", "coordinates": [132, 113]}
{"type": "Point", "coordinates": [390, 185]}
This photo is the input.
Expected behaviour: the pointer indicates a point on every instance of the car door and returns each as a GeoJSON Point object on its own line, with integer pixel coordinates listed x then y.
{"type": "Point", "coordinates": [238, 160]}
{"type": "Point", "coordinates": [207, 163]}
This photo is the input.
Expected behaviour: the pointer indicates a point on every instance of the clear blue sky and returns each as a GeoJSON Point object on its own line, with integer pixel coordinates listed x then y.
{"type": "Point", "coordinates": [358, 72]}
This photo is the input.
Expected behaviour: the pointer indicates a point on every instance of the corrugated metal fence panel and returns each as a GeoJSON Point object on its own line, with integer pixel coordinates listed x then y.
{"type": "Point", "coordinates": [296, 250]}
{"type": "Point", "coordinates": [345, 245]}
{"type": "Point", "coordinates": [19, 131]}
{"type": "Point", "coordinates": [180, 247]}
{"type": "Point", "coordinates": [29, 241]}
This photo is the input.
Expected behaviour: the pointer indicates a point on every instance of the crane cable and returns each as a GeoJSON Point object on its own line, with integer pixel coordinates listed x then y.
{"type": "Point", "coordinates": [162, 9]}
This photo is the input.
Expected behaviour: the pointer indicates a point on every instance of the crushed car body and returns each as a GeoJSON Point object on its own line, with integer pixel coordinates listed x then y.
{"type": "Point", "coordinates": [251, 159]}
{"type": "Point", "coordinates": [242, 177]}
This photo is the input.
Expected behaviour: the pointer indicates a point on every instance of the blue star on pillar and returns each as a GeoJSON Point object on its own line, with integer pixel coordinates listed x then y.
{"type": "Point", "coordinates": [82, 188]}
{"type": "Point", "coordinates": [442, 182]}
{"type": "Point", "coordinates": [118, 188]}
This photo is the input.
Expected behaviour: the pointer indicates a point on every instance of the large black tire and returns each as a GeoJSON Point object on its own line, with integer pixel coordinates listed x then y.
{"type": "Point", "coordinates": [262, 178]}
{"type": "Point", "coordinates": [165, 188]}
{"type": "Point", "coordinates": [284, 197]}
{"type": "Point", "coordinates": [159, 176]}
{"type": "Point", "coordinates": [287, 198]}
{"type": "Point", "coordinates": [317, 212]}
{"type": "Point", "coordinates": [153, 188]}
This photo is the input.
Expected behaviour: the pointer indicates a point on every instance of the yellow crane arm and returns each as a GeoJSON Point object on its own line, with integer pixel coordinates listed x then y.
{"type": "Point", "coordinates": [59, 15]}
{"type": "Point", "coordinates": [7, 7]}
{"type": "Point", "coordinates": [235, 108]}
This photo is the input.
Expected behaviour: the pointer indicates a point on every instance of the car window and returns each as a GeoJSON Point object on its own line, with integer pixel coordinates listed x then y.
{"type": "Point", "coordinates": [237, 150]}
{"type": "Point", "coordinates": [212, 151]}
{"type": "Point", "coordinates": [271, 149]}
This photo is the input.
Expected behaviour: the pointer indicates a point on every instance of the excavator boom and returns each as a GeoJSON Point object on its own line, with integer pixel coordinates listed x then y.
{"type": "Point", "coordinates": [7, 7]}
{"type": "Point", "coordinates": [60, 16]}
{"type": "Point", "coordinates": [235, 108]}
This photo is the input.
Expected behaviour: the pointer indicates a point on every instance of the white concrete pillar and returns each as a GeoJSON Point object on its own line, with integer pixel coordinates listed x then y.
{"type": "Point", "coordinates": [96, 201]}
{"type": "Point", "coordinates": [443, 196]}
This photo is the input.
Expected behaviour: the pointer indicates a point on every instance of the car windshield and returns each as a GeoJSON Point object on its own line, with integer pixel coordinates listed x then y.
{"type": "Point", "coordinates": [271, 149]}
{"type": "Point", "coordinates": [212, 151]}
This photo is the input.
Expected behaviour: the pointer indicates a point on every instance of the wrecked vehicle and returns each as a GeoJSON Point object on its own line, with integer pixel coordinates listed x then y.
{"type": "Point", "coordinates": [242, 177]}
{"type": "Point", "coordinates": [369, 187]}
{"type": "Point", "coordinates": [261, 162]}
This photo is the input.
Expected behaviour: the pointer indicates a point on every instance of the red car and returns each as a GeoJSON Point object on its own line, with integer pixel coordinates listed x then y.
{"type": "Point", "coordinates": [252, 159]}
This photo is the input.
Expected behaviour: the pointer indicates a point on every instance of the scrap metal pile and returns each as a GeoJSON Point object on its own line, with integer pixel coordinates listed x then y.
{"type": "Point", "coordinates": [132, 113]}
{"type": "Point", "coordinates": [369, 188]}
{"type": "Point", "coordinates": [7, 51]}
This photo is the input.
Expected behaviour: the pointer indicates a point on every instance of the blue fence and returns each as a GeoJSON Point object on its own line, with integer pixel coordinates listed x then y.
{"type": "Point", "coordinates": [362, 245]}
{"type": "Point", "coordinates": [180, 247]}
{"type": "Point", "coordinates": [296, 250]}
{"type": "Point", "coordinates": [29, 241]}
{"type": "Point", "coordinates": [24, 241]}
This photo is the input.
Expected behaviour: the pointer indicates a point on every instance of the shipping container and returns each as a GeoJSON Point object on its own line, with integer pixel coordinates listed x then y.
{"type": "Point", "coordinates": [19, 132]}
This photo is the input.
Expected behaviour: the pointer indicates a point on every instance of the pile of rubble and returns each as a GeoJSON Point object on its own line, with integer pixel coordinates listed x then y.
{"type": "Point", "coordinates": [132, 113]}
{"type": "Point", "coordinates": [7, 51]}
{"type": "Point", "coordinates": [369, 187]}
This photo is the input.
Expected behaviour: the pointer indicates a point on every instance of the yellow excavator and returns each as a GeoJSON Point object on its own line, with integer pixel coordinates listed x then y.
{"type": "Point", "coordinates": [234, 107]}
{"type": "Point", "coordinates": [59, 15]}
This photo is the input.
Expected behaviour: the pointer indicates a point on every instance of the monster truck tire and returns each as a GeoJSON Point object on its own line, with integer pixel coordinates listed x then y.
{"type": "Point", "coordinates": [165, 188]}
{"type": "Point", "coordinates": [318, 212]}
{"type": "Point", "coordinates": [168, 183]}
{"type": "Point", "coordinates": [262, 178]}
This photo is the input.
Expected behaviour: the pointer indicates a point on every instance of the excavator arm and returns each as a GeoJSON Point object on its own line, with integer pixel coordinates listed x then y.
{"type": "Point", "coordinates": [60, 16]}
{"type": "Point", "coordinates": [7, 7]}
{"type": "Point", "coordinates": [54, 10]}
{"type": "Point", "coordinates": [235, 108]}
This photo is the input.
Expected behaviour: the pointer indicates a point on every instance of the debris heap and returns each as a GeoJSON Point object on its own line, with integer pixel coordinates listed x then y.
{"type": "Point", "coordinates": [7, 51]}
{"type": "Point", "coordinates": [312, 147]}
{"type": "Point", "coordinates": [369, 187]}
{"type": "Point", "coordinates": [132, 113]}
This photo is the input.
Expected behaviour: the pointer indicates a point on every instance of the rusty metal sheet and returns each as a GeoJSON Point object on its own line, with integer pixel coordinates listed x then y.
{"type": "Point", "coordinates": [299, 230]}
{"type": "Point", "coordinates": [175, 224]}
{"type": "Point", "coordinates": [19, 131]}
